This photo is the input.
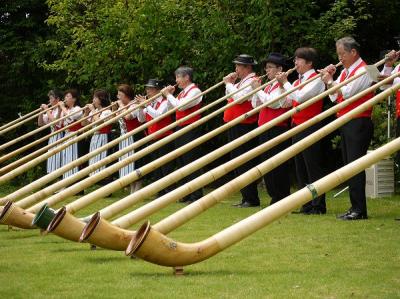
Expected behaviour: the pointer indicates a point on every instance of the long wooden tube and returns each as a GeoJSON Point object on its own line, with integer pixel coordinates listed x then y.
{"type": "Point", "coordinates": [42, 139]}
{"type": "Point", "coordinates": [31, 133]}
{"type": "Point", "coordinates": [20, 121]}
{"type": "Point", "coordinates": [98, 125]}
{"type": "Point", "coordinates": [23, 117]}
{"type": "Point", "coordinates": [152, 246]}
{"type": "Point", "coordinates": [101, 233]}
{"type": "Point", "coordinates": [43, 193]}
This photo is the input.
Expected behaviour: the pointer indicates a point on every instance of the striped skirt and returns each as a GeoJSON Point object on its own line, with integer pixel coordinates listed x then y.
{"type": "Point", "coordinates": [130, 167]}
{"type": "Point", "coordinates": [97, 141]}
{"type": "Point", "coordinates": [54, 162]}
{"type": "Point", "coordinates": [69, 155]}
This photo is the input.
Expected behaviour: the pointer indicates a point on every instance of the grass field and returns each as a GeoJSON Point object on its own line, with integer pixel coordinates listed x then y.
{"type": "Point", "coordinates": [296, 257]}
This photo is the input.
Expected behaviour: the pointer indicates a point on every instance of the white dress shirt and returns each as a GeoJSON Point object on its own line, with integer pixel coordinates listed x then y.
{"type": "Point", "coordinates": [102, 115]}
{"type": "Point", "coordinates": [153, 112]}
{"type": "Point", "coordinates": [355, 86]}
{"type": "Point", "coordinates": [309, 91]}
{"type": "Point", "coordinates": [388, 71]}
{"type": "Point", "coordinates": [186, 102]}
{"type": "Point", "coordinates": [72, 116]}
{"type": "Point", "coordinates": [262, 97]}
{"type": "Point", "coordinates": [230, 88]}
{"type": "Point", "coordinates": [139, 114]}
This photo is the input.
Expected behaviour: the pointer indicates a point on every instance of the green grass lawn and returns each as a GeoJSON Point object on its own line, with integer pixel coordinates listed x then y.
{"type": "Point", "coordinates": [296, 257]}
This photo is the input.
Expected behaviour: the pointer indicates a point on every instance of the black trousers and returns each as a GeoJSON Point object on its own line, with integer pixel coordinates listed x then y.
{"type": "Point", "coordinates": [356, 137]}
{"type": "Point", "coordinates": [277, 181]}
{"type": "Point", "coordinates": [309, 167]}
{"type": "Point", "coordinates": [187, 158]}
{"type": "Point", "coordinates": [250, 192]}
{"type": "Point", "coordinates": [166, 169]}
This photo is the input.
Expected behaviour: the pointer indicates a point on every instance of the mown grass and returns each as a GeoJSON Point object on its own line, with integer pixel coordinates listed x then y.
{"type": "Point", "coordinates": [296, 257]}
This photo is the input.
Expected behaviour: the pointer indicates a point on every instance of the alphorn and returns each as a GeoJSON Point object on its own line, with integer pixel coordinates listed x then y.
{"type": "Point", "coordinates": [98, 125]}
{"type": "Point", "coordinates": [66, 182]}
{"type": "Point", "coordinates": [23, 119]}
{"type": "Point", "coordinates": [31, 133]}
{"type": "Point", "coordinates": [100, 233]}
{"type": "Point", "coordinates": [152, 246]}
{"type": "Point", "coordinates": [42, 139]}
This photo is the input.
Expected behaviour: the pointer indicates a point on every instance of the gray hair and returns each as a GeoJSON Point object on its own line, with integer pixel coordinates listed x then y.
{"type": "Point", "coordinates": [348, 44]}
{"type": "Point", "coordinates": [183, 71]}
{"type": "Point", "coordinates": [55, 93]}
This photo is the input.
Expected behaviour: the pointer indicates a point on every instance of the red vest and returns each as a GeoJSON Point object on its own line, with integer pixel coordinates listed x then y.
{"type": "Point", "coordinates": [75, 127]}
{"type": "Point", "coordinates": [131, 124]}
{"type": "Point", "coordinates": [105, 130]}
{"type": "Point", "coordinates": [181, 114]}
{"type": "Point", "coordinates": [309, 112]}
{"type": "Point", "coordinates": [160, 124]}
{"type": "Point", "coordinates": [239, 109]}
{"type": "Point", "coordinates": [366, 113]}
{"type": "Point", "coordinates": [398, 103]}
{"type": "Point", "coordinates": [267, 114]}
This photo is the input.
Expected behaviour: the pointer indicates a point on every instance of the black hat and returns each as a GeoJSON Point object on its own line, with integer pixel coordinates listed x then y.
{"type": "Point", "coordinates": [245, 59]}
{"type": "Point", "coordinates": [154, 83]}
{"type": "Point", "coordinates": [276, 58]}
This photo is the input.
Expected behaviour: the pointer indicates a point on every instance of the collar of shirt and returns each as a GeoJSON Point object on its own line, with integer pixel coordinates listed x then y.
{"type": "Point", "coordinates": [159, 99]}
{"type": "Point", "coordinates": [307, 74]}
{"type": "Point", "coordinates": [353, 66]}
{"type": "Point", "coordinates": [187, 87]}
{"type": "Point", "coordinates": [246, 78]}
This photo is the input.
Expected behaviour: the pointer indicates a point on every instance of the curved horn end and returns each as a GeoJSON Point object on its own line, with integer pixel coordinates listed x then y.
{"type": "Point", "coordinates": [101, 233]}
{"type": "Point", "coordinates": [13, 215]}
{"type": "Point", "coordinates": [66, 225]}
{"type": "Point", "coordinates": [152, 246]}
{"type": "Point", "coordinates": [43, 217]}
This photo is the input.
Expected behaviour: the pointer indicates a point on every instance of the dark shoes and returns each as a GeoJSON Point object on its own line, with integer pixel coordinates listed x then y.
{"type": "Point", "coordinates": [315, 211]}
{"type": "Point", "coordinates": [246, 204]}
{"type": "Point", "coordinates": [311, 211]}
{"type": "Point", "coordinates": [350, 215]}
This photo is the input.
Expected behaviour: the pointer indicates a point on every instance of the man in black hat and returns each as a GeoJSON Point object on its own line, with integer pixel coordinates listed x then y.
{"type": "Point", "coordinates": [155, 110]}
{"type": "Point", "coordinates": [277, 181]}
{"type": "Point", "coordinates": [244, 71]}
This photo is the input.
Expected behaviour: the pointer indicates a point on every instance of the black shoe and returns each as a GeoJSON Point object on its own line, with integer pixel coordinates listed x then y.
{"type": "Point", "coordinates": [315, 211]}
{"type": "Point", "coordinates": [303, 210]}
{"type": "Point", "coordinates": [344, 215]}
{"type": "Point", "coordinates": [354, 216]}
{"type": "Point", "coordinates": [248, 205]}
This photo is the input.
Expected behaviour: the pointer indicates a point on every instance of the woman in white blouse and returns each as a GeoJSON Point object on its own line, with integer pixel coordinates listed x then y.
{"type": "Point", "coordinates": [53, 162]}
{"type": "Point", "coordinates": [101, 99]}
{"type": "Point", "coordinates": [71, 108]}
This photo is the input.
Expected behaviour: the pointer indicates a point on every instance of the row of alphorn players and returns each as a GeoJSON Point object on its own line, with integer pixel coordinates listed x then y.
{"type": "Point", "coordinates": [355, 135]}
